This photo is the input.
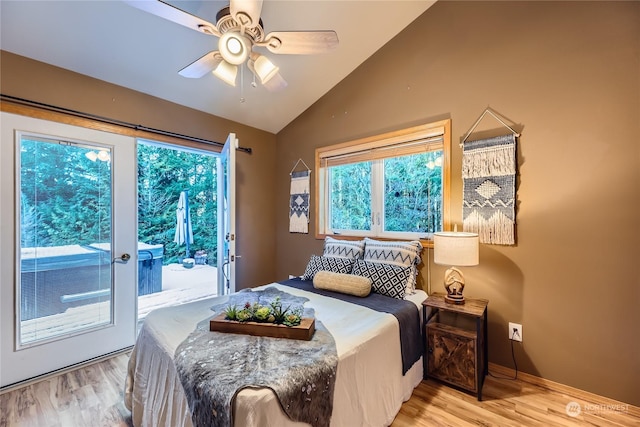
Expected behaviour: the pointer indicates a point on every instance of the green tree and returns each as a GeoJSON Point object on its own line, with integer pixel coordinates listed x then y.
{"type": "Point", "coordinates": [163, 173]}
{"type": "Point", "coordinates": [65, 197]}
{"type": "Point", "coordinates": [351, 196]}
{"type": "Point", "coordinates": [412, 194]}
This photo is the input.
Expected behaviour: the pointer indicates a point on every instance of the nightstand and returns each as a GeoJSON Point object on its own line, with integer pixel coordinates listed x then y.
{"type": "Point", "coordinates": [456, 342]}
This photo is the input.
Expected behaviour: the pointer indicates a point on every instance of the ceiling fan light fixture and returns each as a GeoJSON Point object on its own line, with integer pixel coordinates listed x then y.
{"type": "Point", "coordinates": [239, 28]}
{"type": "Point", "coordinates": [234, 47]}
{"type": "Point", "coordinates": [265, 69]}
{"type": "Point", "coordinates": [226, 72]}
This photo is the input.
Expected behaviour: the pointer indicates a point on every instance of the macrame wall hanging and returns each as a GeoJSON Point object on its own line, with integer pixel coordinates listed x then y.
{"type": "Point", "coordinates": [299, 199]}
{"type": "Point", "coordinates": [489, 186]}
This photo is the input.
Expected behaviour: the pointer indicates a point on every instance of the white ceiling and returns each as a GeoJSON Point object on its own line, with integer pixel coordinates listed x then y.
{"type": "Point", "coordinates": [120, 44]}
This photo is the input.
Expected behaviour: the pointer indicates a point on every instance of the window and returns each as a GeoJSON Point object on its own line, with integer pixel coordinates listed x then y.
{"type": "Point", "coordinates": [394, 185]}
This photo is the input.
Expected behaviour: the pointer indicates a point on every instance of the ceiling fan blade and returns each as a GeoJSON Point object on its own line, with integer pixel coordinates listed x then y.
{"type": "Point", "coordinates": [202, 66]}
{"type": "Point", "coordinates": [246, 12]}
{"type": "Point", "coordinates": [300, 42]}
{"type": "Point", "coordinates": [172, 13]}
{"type": "Point", "coordinates": [275, 83]}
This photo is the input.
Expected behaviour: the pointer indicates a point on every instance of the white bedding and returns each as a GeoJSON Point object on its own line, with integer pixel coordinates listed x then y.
{"type": "Point", "coordinates": [369, 390]}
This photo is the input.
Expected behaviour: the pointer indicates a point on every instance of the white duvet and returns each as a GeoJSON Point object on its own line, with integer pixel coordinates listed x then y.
{"type": "Point", "coordinates": [369, 390]}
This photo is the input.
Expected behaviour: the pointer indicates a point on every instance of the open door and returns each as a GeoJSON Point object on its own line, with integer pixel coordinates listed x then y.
{"type": "Point", "coordinates": [227, 217]}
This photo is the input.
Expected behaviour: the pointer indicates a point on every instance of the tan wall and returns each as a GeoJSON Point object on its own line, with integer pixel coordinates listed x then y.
{"type": "Point", "coordinates": [35, 81]}
{"type": "Point", "coordinates": [568, 74]}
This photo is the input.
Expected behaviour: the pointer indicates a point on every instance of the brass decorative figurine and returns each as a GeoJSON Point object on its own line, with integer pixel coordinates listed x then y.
{"type": "Point", "coordinates": [454, 284]}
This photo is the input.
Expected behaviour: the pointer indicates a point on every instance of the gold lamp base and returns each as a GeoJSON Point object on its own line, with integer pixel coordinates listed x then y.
{"type": "Point", "coordinates": [454, 284]}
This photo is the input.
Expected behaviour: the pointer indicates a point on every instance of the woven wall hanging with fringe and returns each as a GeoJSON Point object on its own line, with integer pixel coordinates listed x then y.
{"type": "Point", "coordinates": [489, 189]}
{"type": "Point", "coordinates": [299, 199]}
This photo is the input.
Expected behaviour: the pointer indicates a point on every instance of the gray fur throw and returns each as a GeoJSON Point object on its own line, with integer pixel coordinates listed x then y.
{"type": "Point", "coordinates": [214, 366]}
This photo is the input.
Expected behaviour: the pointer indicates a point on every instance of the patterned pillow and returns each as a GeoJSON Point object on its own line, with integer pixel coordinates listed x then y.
{"type": "Point", "coordinates": [325, 263]}
{"type": "Point", "coordinates": [386, 279]}
{"type": "Point", "coordinates": [399, 253]}
{"type": "Point", "coordinates": [352, 249]}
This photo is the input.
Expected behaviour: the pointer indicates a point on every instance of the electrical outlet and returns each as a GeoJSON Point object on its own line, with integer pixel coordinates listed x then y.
{"type": "Point", "coordinates": [515, 331]}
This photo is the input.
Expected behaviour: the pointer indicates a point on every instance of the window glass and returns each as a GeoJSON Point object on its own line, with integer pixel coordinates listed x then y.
{"type": "Point", "coordinates": [350, 196]}
{"type": "Point", "coordinates": [394, 185]}
{"type": "Point", "coordinates": [413, 193]}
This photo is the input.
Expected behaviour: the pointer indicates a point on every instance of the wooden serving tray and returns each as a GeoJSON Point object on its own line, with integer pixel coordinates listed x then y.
{"type": "Point", "coordinates": [304, 331]}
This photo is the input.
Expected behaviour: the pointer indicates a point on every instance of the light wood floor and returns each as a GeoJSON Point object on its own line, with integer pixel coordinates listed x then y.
{"type": "Point", "coordinates": [93, 396]}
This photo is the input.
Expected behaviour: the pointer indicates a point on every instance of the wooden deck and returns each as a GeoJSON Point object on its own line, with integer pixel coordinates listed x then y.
{"type": "Point", "coordinates": [179, 286]}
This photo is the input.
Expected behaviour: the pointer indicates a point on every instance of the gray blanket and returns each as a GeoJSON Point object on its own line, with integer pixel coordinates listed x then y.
{"type": "Point", "coordinates": [214, 366]}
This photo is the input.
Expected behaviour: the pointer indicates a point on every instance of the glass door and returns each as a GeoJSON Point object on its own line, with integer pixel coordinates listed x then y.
{"type": "Point", "coordinates": [75, 254]}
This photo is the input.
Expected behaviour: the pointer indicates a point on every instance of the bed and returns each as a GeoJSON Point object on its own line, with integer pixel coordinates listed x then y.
{"type": "Point", "coordinates": [369, 384]}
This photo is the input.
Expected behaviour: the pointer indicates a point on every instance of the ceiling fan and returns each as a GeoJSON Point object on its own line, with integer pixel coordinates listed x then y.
{"type": "Point", "coordinates": [239, 29]}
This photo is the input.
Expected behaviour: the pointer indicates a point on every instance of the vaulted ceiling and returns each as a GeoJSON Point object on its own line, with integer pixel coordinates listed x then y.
{"type": "Point", "coordinates": [121, 44]}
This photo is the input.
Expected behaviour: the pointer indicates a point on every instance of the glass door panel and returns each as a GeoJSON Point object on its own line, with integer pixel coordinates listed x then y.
{"type": "Point", "coordinates": [65, 281]}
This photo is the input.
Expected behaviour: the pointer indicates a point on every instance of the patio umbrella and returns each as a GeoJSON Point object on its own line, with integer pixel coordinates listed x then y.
{"type": "Point", "coordinates": [184, 233]}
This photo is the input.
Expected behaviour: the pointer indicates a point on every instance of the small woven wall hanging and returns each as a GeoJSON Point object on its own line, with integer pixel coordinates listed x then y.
{"type": "Point", "coordinates": [299, 200]}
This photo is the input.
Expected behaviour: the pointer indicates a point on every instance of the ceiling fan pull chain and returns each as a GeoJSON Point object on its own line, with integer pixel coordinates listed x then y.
{"type": "Point", "coordinates": [242, 84]}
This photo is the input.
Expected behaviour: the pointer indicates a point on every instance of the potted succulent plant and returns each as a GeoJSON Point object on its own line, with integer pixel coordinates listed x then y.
{"type": "Point", "coordinates": [272, 313]}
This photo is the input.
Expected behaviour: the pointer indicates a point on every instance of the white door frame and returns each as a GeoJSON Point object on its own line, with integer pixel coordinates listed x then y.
{"type": "Point", "coordinates": [227, 236]}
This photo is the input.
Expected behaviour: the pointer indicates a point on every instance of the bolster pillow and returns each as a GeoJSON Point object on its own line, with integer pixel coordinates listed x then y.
{"type": "Point", "coordinates": [344, 283]}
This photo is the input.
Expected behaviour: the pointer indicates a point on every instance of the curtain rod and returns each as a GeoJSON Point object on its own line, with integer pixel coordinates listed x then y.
{"type": "Point", "coordinates": [113, 121]}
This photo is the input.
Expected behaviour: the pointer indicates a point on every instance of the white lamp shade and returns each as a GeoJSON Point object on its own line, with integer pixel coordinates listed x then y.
{"type": "Point", "coordinates": [226, 72]}
{"type": "Point", "coordinates": [265, 69]}
{"type": "Point", "coordinates": [455, 248]}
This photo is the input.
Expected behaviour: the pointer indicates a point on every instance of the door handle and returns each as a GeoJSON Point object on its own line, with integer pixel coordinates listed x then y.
{"type": "Point", "coordinates": [123, 259]}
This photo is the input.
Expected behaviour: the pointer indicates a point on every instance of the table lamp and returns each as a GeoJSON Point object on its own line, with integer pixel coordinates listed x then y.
{"type": "Point", "coordinates": [455, 249]}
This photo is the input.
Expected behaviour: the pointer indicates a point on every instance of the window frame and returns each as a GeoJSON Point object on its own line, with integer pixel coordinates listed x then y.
{"type": "Point", "coordinates": [401, 140]}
